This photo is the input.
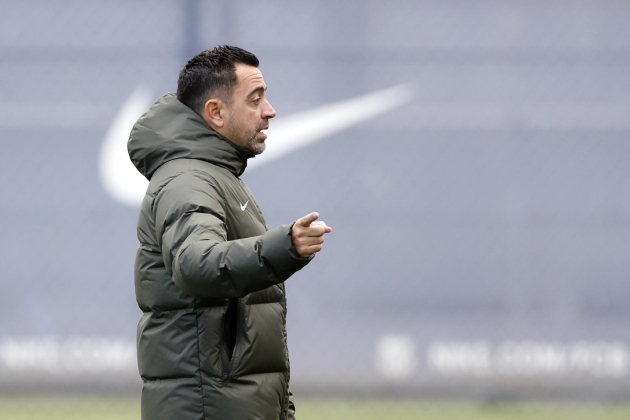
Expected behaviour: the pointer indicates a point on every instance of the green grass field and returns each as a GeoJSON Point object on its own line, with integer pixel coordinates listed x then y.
{"type": "Point", "coordinates": [122, 409]}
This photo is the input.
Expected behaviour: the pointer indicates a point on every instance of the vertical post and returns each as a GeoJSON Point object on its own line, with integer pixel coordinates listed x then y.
{"type": "Point", "coordinates": [190, 22]}
{"type": "Point", "coordinates": [227, 21]}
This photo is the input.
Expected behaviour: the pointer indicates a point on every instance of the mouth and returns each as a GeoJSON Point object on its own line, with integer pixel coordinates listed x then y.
{"type": "Point", "coordinates": [261, 133]}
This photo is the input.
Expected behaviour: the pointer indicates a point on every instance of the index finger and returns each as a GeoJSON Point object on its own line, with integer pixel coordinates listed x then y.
{"type": "Point", "coordinates": [308, 219]}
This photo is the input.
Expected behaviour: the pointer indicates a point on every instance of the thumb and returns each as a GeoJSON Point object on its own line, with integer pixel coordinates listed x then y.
{"type": "Point", "coordinates": [308, 219]}
{"type": "Point", "coordinates": [327, 229]}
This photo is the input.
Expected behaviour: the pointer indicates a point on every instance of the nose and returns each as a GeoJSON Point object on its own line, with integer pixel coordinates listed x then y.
{"type": "Point", "coordinates": [268, 111]}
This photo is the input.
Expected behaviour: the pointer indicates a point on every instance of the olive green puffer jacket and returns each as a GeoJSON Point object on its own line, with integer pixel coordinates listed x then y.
{"type": "Point", "coordinates": [208, 276]}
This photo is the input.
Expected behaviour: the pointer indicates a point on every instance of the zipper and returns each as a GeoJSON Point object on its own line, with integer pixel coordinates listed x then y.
{"type": "Point", "coordinates": [223, 351]}
{"type": "Point", "coordinates": [227, 372]}
{"type": "Point", "coordinates": [284, 414]}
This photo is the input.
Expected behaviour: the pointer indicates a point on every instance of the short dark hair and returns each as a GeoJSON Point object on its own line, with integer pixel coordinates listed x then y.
{"type": "Point", "coordinates": [211, 72]}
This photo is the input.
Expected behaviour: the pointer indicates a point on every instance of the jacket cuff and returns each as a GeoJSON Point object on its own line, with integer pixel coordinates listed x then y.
{"type": "Point", "coordinates": [280, 254]}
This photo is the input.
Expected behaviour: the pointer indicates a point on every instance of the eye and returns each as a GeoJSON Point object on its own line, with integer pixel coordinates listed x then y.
{"type": "Point", "coordinates": [256, 101]}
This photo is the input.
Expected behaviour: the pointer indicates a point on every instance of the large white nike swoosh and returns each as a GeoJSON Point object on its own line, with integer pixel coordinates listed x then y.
{"type": "Point", "coordinates": [298, 130]}
{"type": "Point", "coordinates": [126, 185]}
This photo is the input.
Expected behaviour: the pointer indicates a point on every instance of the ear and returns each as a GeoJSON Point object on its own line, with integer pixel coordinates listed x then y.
{"type": "Point", "coordinates": [214, 113]}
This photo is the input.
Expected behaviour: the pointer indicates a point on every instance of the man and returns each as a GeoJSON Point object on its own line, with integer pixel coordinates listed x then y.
{"type": "Point", "coordinates": [208, 274]}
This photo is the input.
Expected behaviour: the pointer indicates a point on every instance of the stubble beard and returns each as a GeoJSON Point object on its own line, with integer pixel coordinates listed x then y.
{"type": "Point", "coordinates": [244, 137]}
{"type": "Point", "coordinates": [255, 146]}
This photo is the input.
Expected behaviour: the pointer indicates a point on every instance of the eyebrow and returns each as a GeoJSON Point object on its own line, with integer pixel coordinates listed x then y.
{"type": "Point", "coordinates": [257, 89]}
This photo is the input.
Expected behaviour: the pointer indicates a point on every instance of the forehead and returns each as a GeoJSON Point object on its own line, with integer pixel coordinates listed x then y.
{"type": "Point", "coordinates": [248, 78]}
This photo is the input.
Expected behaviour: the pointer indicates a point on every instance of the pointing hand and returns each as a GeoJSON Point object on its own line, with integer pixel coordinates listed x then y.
{"type": "Point", "coordinates": [307, 234]}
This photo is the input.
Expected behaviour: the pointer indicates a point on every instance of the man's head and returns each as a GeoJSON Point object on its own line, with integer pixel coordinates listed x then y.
{"type": "Point", "coordinates": [226, 88]}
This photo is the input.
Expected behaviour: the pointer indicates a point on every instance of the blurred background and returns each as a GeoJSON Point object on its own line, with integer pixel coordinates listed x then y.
{"type": "Point", "coordinates": [472, 158]}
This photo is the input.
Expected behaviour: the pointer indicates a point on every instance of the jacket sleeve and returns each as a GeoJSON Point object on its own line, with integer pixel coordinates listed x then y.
{"type": "Point", "coordinates": [190, 217]}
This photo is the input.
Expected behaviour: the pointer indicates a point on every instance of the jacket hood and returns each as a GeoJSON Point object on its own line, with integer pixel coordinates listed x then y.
{"type": "Point", "coordinates": [170, 130]}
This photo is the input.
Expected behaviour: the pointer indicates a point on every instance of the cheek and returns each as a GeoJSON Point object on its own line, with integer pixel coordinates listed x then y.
{"type": "Point", "coordinates": [254, 118]}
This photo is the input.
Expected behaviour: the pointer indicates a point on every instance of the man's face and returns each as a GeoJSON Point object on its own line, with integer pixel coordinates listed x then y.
{"type": "Point", "coordinates": [249, 112]}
